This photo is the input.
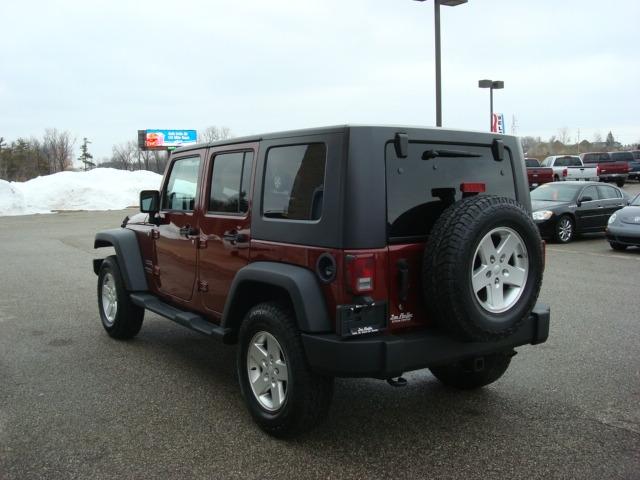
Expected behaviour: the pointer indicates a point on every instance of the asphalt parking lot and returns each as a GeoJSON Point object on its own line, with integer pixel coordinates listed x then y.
{"type": "Point", "coordinates": [76, 404]}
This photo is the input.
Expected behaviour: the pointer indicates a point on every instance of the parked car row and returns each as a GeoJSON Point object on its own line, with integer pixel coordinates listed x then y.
{"type": "Point", "coordinates": [615, 167]}
{"type": "Point", "coordinates": [562, 210]}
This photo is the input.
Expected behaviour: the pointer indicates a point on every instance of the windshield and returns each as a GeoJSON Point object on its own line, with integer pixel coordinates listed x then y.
{"type": "Point", "coordinates": [636, 201]}
{"type": "Point", "coordinates": [555, 193]}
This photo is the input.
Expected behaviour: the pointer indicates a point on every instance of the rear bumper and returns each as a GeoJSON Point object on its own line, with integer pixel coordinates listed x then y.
{"type": "Point", "coordinates": [610, 177]}
{"type": "Point", "coordinates": [387, 356]}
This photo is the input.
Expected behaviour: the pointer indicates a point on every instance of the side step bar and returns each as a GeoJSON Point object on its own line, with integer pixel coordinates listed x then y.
{"type": "Point", "coordinates": [190, 320]}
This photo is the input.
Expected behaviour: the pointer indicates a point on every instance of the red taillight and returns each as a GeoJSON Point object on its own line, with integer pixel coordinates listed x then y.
{"type": "Point", "coordinates": [360, 273]}
{"type": "Point", "coordinates": [565, 172]}
{"type": "Point", "coordinates": [469, 187]}
{"type": "Point", "coordinates": [628, 167]}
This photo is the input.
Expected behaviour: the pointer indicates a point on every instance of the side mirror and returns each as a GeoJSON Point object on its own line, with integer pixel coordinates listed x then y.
{"type": "Point", "coordinates": [150, 201]}
{"type": "Point", "coordinates": [584, 199]}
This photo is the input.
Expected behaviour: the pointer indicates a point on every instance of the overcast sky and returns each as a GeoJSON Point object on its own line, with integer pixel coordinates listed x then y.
{"type": "Point", "coordinates": [104, 69]}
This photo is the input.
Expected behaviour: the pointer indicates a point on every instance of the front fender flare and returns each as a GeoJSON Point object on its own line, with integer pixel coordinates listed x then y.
{"type": "Point", "coordinates": [125, 243]}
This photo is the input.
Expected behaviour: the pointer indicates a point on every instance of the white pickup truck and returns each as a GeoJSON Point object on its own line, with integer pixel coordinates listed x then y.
{"type": "Point", "coordinates": [570, 167]}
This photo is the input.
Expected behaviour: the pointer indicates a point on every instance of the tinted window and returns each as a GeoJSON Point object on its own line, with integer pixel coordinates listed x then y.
{"type": "Point", "coordinates": [230, 182]}
{"type": "Point", "coordinates": [591, 158]}
{"type": "Point", "coordinates": [605, 191]}
{"type": "Point", "coordinates": [180, 193]}
{"type": "Point", "coordinates": [636, 154]}
{"type": "Point", "coordinates": [590, 192]}
{"type": "Point", "coordinates": [531, 162]}
{"type": "Point", "coordinates": [555, 192]}
{"type": "Point", "coordinates": [294, 182]}
{"type": "Point", "coordinates": [568, 162]}
{"type": "Point", "coordinates": [622, 156]}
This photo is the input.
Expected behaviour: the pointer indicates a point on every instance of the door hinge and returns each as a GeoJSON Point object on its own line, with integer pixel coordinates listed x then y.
{"type": "Point", "coordinates": [203, 286]}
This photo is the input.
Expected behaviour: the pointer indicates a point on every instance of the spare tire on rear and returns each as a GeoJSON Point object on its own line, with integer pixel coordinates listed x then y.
{"type": "Point", "coordinates": [482, 268]}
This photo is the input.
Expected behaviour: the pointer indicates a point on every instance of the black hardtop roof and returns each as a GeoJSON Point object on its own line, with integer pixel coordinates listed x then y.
{"type": "Point", "coordinates": [335, 129]}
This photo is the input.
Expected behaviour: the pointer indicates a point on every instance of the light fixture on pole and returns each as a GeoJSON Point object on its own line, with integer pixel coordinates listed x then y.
{"type": "Point", "coordinates": [436, 7]}
{"type": "Point", "coordinates": [491, 85]}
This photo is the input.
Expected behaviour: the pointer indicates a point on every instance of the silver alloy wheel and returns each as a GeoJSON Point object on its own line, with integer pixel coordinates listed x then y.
{"type": "Point", "coordinates": [499, 269]}
{"type": "Point", "coordinates": [267, 371]}
{"type": "Point", "coordinates": [565, 229]}
{"type": "Point", "coordinates": [109, 298]}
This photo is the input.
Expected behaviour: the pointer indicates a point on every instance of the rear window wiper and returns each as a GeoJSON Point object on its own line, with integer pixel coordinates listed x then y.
{"type": "Point", "coordinates": [429, 154]}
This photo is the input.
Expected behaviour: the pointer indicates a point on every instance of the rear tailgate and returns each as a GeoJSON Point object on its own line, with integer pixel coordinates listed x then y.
{"type": "Point", "coordinates": [420, 186]}
{"type": "Point", "coordinates": [611, 168]}
{"type": "Point", "coordinates": [582, 173]}
{"type": "Point", "coordinates": [539, 175]}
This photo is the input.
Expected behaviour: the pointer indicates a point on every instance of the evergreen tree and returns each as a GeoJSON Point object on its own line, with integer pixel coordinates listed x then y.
{"type": "Point", "coordinates": [85, 157]}
{"type": "Point", "coordinates": [610, 142]}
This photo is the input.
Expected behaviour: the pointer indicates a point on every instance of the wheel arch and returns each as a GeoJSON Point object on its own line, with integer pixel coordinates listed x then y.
{"type": "Point", "coordinates": [289, 284]}
{"type": "Point", "coordinates": [125, 244]}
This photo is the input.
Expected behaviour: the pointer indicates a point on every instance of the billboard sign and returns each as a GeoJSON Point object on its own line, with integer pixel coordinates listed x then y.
{"type": "Point", "coordinates": [159, 139]}
{"type": "Point", "coordinates": [497, 123]}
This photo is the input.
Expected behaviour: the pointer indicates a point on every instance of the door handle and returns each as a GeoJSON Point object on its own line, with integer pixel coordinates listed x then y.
{"type": "Point", "coordinates": [233, 237]}
{"type": "Point", "coordinates": [188, 231]}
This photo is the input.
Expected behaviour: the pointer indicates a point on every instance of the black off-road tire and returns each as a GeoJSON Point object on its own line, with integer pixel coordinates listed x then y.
{"type": "Point", "coordinates": [308, 395]}
{"type": "Point", "coordinates": [558, 236]}
{"type": "Point", "coordinates": [618, 247]}
{"type": "Point", "coordinates": [447, 266]}
{"type": "Point", "coordinates": [128, 317]}
{"type": "Point", "coordinates": [473, 373]}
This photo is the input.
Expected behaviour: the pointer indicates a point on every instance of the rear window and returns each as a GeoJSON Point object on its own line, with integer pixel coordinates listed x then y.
{"type": "Point", "coordinates": [421, 186]}
{"type": "Point", "coordinates": [596, 158]}
{"type": "Point", "coordinates": [622, 156]}
{"type": "Point", "coordinates": [531, 162]}
{"type": "Point", "coordinates": [568, 162]}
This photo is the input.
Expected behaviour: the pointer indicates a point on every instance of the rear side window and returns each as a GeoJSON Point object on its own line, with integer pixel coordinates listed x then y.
{"type": "Point", "coordinates": [231, 182]}
{"type": "Point", "coordinates": [607, 192]}
{"type": "Point", "coordinates": [622, 156]}
{"type": "Point", "coordinates": [590, 192]}
{"type": "Point", "coordinates": [294, 182]}
{"type": "Point", "coordinates": [180, 193]}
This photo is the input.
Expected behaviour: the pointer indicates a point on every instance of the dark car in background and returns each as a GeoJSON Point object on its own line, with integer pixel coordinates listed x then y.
{"type": "Point", "coordinates": [563, 209]}
{"type": "Point", "coordinates": [623, 229]}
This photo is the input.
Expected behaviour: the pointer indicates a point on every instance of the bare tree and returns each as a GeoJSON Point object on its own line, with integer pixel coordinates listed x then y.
{"type": "Point", "coordinates": [563, 135]}
{"type": "Point", "coordinates": [58, 149]}
{"type": "Point", "coordinates": [213, 134]}
{"type": "Point", "coordinates": [125, 154]}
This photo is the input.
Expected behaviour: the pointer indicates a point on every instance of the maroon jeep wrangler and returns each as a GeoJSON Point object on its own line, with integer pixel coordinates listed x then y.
{"type": "Point", "coordinates": [350, 251]}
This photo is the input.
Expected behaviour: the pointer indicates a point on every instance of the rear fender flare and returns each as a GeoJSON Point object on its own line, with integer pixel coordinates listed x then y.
{"type": "Point", "coordinates": [299, 283]}
{"type": "Point", "coordinates": [125, 243]}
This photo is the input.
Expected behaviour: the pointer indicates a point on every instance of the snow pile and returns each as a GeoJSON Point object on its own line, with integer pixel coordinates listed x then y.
{"type": "Point", "coordinates": [98, 189]}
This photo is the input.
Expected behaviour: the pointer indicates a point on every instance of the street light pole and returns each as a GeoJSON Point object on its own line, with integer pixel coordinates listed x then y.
{"type": "Point", "coordinates": [491, 85]}
{"type": "Point", "coordinates": [436, 14]}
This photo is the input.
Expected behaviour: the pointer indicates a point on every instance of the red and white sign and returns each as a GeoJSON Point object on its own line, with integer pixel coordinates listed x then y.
{"type": "Point", "coordinates": [497, 123]}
